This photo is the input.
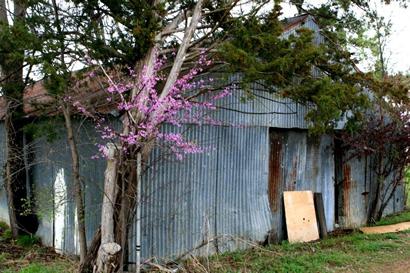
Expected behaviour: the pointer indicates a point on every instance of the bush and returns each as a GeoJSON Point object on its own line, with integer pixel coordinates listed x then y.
{"type": "Point", "coordinates": [7, 235]}
{"type": "Point", "coordinates": [3, 228]}
{"type": "Point", "coordinates": [27, 240]}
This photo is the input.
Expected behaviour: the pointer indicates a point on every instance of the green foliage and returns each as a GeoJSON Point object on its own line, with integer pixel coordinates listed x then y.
{"type": "Point", "coordinates": [285, 65]}
{"type": "Point", "coordinates": [3, 226]}
{"type": "Point", "coordinates": [5, 232]}
{"type": "Point", "coordinates": [3, 257]}
{"type": "Point", "coordinates": [258, 51]}
{"type": "Point", "coordinates": [27, 240]}
{"type": "Point", "coordinates": [7, 235]}
{"type": "Point", "coordinates": [138, 22]}
{"type": "Point", "coordinates": [47, 127]}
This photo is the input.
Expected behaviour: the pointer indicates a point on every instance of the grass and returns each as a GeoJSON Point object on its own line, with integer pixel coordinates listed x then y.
{"type": "Point", "coordinates": [27, 240]}
{"type": "Point", "coordinates": [394, 219]}
{"type": "Point", "coordinates": [57, 267]}
{"type": "Point", "coordinates": [355, 252]}
{"type": "Point", "coordinates": [26, 255]}
{"type": "Point", "coordinates": [351, 253]}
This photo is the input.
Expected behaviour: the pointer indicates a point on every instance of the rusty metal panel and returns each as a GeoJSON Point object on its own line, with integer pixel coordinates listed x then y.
{"type": "Point", "coordinates": [275, 171]}
{"type": "Point", "coordinates": [359, 188]}
{"type": "Point", "coordinates": [354, 192]}
{"type": "Point", "coordinates": [305, 164]}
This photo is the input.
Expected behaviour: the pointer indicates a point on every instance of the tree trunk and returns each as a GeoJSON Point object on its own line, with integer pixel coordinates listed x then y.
{"type": "Point", "coordinates": [8, 179]}
{"type": "Point", "coordinates": [79, 202]}
{"type": "Point", "coordinates": [376, 203]}
{"type": "Point", "coordinates": [107, 256]}
{"type": "Point", "coordinates": [86, 265]}
{"type": "Point", "coordinates": [11, 68]}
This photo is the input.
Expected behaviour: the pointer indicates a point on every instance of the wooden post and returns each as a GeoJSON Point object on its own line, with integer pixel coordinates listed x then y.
{"type": "Point", "coordinates": [320, 214]}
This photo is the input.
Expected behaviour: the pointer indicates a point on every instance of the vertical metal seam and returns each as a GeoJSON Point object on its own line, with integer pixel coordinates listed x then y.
{"type": "Point", "coordinates": [218, 131]}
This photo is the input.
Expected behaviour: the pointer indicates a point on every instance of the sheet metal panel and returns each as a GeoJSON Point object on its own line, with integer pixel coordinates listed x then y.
{"type": "Point", "coordinates": [4, 215]}
{"type": "Point", "coordinates": [222, 193]}
{"type": "Point", "coordinates": [52, 166]}
{"type": "Point", "coordinates": [242, 202]}
{"type": "Point", "coordinates": [179, 198]}
{"type": "Point", "coordinates": [302, 163]}
{"type": "Point", "coordinates": [264, 109]}
{"type": "Point", "coordinates": [359, 184]}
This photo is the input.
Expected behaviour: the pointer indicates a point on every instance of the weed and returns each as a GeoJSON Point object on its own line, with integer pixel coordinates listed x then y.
{"type": "Point", "coordinates": [7, 235]}
{"type": "Point", "coordinates": [3, 226]}
{"type": "Point", "coordinates": [27, 240]}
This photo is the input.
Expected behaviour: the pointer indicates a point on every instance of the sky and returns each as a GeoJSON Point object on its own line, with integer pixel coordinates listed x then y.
{"type": "Point", "coordinates": [400, 40]}
{"type": "Point", "coordinates": [399, 45]}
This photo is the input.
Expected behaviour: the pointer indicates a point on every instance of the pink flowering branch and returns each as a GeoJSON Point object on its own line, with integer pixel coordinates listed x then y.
{"type": "Point", "coordinates": [175, 107]}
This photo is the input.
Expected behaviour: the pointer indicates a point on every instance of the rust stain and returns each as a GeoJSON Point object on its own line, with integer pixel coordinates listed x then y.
{"type": "Point", "coordinates": [347, 183]}
{"type": "Point", "coordinates": [314, 143]}
{"type": "Point", "coordinates": [275, 172]}
{"type": "Point", "coordinates": [291, 185]}
{"type": "Point", "coordinates": [315, 162]}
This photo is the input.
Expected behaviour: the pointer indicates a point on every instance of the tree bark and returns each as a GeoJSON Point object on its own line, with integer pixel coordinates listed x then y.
{"type": "Point", "coordinates": [107, 256]}
{"type": "Point", "coordinates": [79, 201]}
{"type": "Point", "coordinates": [86, 265]}
{"type": "Point", "coordinates": [9, 177]}
{"type": "Point", "coordinates": [13, 85]}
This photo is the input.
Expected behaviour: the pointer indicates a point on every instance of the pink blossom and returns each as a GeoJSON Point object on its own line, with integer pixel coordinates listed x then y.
{"type": "Point", "coordinates": [176, 108]}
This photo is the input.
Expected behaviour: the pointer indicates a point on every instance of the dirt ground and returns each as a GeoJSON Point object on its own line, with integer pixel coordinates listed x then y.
{"type": "Point", "coordinates": [394, 267]}
{"type": "Point", "coordinates": [14, 257]}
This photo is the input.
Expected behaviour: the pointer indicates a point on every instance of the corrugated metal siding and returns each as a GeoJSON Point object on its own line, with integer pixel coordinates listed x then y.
{"type": "Point", "coordinates": [4, 215]}
{"type": "Point", "coordinates": [224, 194]}
{"type": "Point", "coordinates": [242, 201]}
{"type": "Point", "coordinates": [308, 23]}
{"type": "Point", "coordinates": [220, 194]}
{"type": "Point", "coordinates": [179, 198]}
{"type": "Point", "coordinates": [304, 164]}
{"type": "Point", "coordinates": [354, 193]}
{"type": "Point", "coordinates": [265, 109]}
{"type": "Point", "coordinates": [358, 186]}
{"type": "Point", "coordinates": [52, 159]}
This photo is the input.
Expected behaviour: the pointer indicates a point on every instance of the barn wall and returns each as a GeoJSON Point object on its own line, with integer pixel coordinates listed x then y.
{"type": "Point", "coordinates": [224, 194]}
{"type": "Point", "coordinates": [357, 185]}
{"type": "Point", "coordinates": [298, 162]}
{"type": "Point", "coordinates": [54, 190]}
{"type": "Point", "coordinates": [4, 215]}
{"type": "Point", "coordinates": [221, 195]}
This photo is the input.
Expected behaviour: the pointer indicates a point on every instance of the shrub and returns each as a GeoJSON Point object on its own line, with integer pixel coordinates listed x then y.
{"type": "Point", "coordinates": [27, 240]}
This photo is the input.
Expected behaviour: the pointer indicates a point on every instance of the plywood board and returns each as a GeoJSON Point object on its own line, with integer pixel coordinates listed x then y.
{"type": "Point", "coordinates": [300, 216]}
{"type": "Point", "coordinates": [386, 229]}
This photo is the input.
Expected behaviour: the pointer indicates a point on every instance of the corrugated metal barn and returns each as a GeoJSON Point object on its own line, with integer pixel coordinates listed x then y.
{"type": "Point", "coordinates": [214, 201]}
{"type": "Point", "coordinates": [227, 196]}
